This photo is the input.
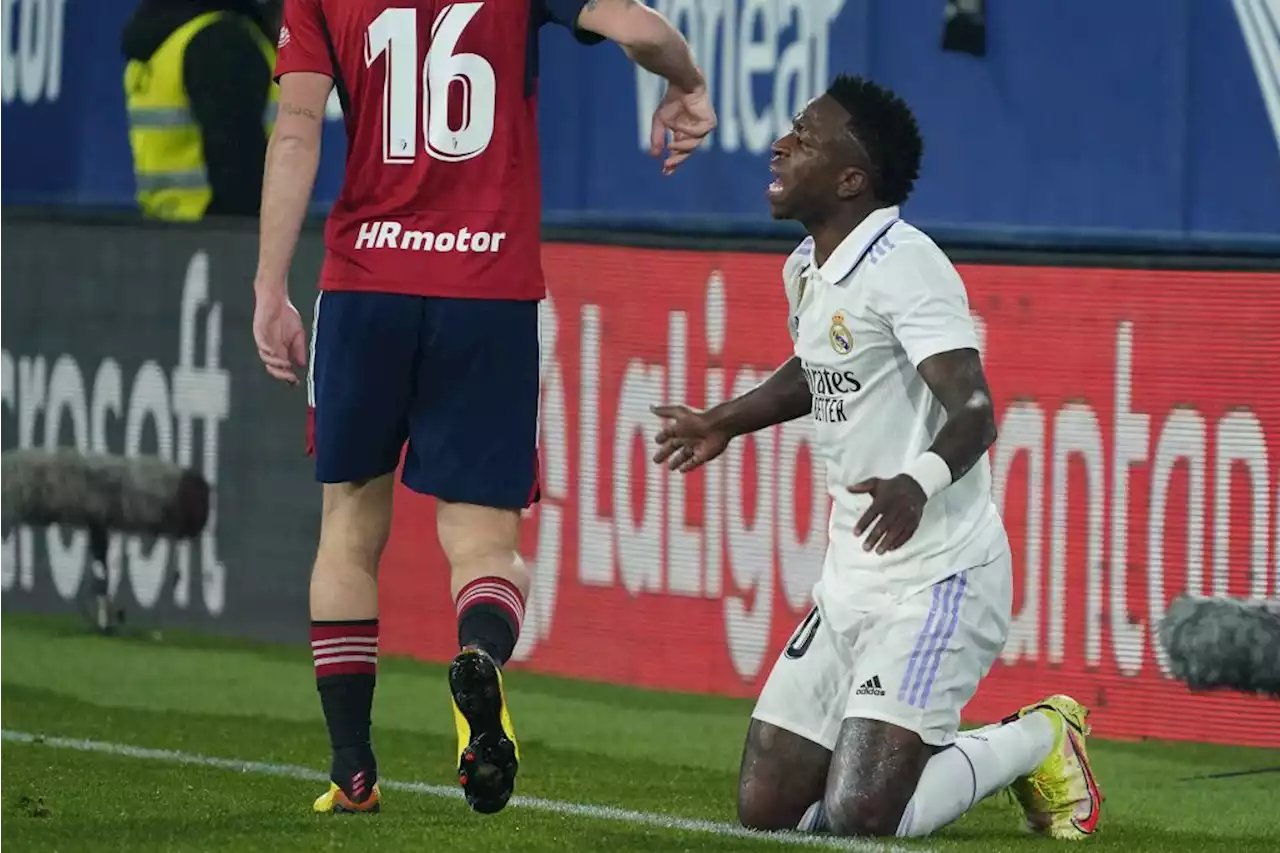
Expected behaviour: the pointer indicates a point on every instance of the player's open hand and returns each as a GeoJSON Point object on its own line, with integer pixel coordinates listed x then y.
{"type": "Point", "coordinates": [897, 505]}
{"type": "Point", "coordinates": [282, 342]}
{"type": "Point", "coordinates": [688, 117]}
{"type": "Point", "coordinates": [687, 439]}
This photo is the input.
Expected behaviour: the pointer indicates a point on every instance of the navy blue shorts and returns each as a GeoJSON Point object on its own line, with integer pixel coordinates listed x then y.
{"type": "Point", "coordinates": [457, 379]}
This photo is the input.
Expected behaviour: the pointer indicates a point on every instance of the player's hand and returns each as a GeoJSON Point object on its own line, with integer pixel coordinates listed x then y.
{"type": "Point", "coordinates": [687, 439]}
{"type": "Point", "coordinates": [282, 342]}
{"type": "Point", "coordinates": [688, 117]}
{"type": "Point", "coordinates": [897, 505]}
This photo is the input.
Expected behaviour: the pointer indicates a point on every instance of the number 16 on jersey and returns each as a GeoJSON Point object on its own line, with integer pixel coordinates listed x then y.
{"type": "Point", "coordinates": [394, 34]}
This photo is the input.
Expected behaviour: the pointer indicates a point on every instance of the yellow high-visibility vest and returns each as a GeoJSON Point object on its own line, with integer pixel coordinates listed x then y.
{"type": "Point", "coordinates": [168, 151]}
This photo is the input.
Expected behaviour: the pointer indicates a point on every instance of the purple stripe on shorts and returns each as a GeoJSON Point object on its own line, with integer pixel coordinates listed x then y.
{"type": "Point", "coordinates": [950, 601]}
{"type": "Point", "coordinates": [946, 640]}
{"type": "Point", "coordinates": [920, 641]}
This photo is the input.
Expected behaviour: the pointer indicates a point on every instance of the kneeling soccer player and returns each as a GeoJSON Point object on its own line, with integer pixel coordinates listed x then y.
{"type": "Point", "coordinates": [856, 731]}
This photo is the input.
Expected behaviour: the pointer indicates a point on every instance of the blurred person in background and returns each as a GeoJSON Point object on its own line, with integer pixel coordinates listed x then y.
{"type": "Point", "coordinates": [201, 103]}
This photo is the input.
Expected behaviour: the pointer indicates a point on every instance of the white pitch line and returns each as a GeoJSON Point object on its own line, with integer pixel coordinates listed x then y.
{"type": "Point", "coordinates": [609, 813]}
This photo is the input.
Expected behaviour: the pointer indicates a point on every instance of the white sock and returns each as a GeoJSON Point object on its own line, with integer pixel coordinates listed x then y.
{"type": "Point", "coordinates": [974, 768]}
{"type": "Point", "coordinates": [814, 819]}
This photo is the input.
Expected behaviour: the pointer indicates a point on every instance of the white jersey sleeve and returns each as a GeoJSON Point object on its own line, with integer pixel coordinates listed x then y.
{"type": "Point", "coordinates": [791, 279]}
{"type": "Point", "coordinates": [923, 298]}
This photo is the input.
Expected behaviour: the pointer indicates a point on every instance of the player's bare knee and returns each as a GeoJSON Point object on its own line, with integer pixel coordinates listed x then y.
{"type": "Point", "coordinates": [757, 796]}
{"type": "Point", "coordinates": [354, 526]}
{"type": "Point", "coordinates": [749, 813]}
{"type": "Point", "coordinates": [781, 775]}
{"type": "Point", "coordinates": [874, 772]}
{"type": "Point", "coordinates": [858, 814]}
{"type": "Point", "coordinates": [752, 808]}
{"type": "Point", "coordinates": [481, 541]}
{"type": "Point", "coordinates": [758, 810]}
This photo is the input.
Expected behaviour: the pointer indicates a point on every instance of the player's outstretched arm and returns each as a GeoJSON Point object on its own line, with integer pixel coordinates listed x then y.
{"type": "Point", "coordinates": [690, 439]}
{"type": "Point", "coordinates": [653, 43]}
{"type": "Point", "coordinates": [782, 397]}
{"type": "Point", "coordinates": [293, 155]}
{"type": "Point", "coordinates": [648, 38]}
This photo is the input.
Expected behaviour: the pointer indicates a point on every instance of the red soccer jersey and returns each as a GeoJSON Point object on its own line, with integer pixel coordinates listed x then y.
{"type": "Point", "coordinates": [442, 194]}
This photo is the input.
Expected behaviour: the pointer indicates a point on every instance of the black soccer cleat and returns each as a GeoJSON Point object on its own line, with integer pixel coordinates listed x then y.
{"type": "Point", "coordinates": [488, 755]}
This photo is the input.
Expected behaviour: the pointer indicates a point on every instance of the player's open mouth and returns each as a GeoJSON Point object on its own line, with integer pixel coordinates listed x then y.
{"type": "Point", "coordinates": [775, 187]}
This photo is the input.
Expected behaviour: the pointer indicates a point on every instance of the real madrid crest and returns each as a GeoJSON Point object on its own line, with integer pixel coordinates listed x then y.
{"type": "Point", "coordinates": [839, 335]}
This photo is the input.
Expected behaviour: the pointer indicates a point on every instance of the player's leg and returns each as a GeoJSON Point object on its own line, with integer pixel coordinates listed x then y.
{"type": "Point", "coordinates": [898, 767]}
{"type": "Point", "coordinates": [473, 445]}
{"type": "Point", "coordinates": [885, 780]}
{"type": "Point", "coordinates": [781, 776]}
{"type": "Point", "coordinates": [916, 665]}
{"type": "Point", "coordinates": [488, 577]}
{"type": "Point", "coordinates": [359, 383]}
{"type": "Point", "coordinates": [1039, 751]}
{"type": "Point", "coordinates": [490, 584]}
{"type": "Point", "coordinates": [794, 726]}
{"type": "Point", "coordinates": [917, 662]}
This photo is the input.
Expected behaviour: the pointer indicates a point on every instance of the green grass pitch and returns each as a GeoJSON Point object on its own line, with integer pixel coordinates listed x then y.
{"type": "Point", "coordinates": [658, 756]}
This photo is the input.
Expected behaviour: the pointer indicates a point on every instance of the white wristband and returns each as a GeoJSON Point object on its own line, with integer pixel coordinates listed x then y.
{"type": "Point", "coordinates": [931, 471]}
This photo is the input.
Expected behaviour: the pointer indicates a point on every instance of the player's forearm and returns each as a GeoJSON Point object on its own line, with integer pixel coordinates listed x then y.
{"type": "Point", "coordinates": [969, 431]}
{"type": "Point", "coordinates": [647, 37]}
{"type": "Point", "coordinates": [957, 379]}
{"type": "Point", "coordinates": [286, 192]}
{"type": "Point", "coordinates": [670, 60]}
{"type": "Point", "coordinates": [782, 397]}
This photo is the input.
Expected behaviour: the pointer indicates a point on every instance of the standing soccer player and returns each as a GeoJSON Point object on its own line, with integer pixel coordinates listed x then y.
{"type": "Point", "coordinates": [426, 328]}
{"type": "Point", "coordinates": [856, 729]}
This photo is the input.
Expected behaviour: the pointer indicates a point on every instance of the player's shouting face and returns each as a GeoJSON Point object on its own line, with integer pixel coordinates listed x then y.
{"type": "Point", "coordinates": [818, 165]}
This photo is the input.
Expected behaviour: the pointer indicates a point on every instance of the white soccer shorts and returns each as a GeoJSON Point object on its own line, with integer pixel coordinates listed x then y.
{"type": "Point", "coordinates": [915, 664]}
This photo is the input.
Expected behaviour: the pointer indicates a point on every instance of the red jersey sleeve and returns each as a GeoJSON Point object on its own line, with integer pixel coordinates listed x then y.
{"type": "Point", "coordinates": [302, 46]}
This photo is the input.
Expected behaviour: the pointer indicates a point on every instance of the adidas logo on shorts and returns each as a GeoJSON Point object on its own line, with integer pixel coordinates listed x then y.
{"type": "Point", "coordinates": [870, 688]}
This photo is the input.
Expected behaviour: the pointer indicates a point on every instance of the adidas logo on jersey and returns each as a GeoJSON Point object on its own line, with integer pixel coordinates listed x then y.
{"type": "Point", "coordinates": [393, 235]}
{"type": "Point", "coordinates": [870, 688]}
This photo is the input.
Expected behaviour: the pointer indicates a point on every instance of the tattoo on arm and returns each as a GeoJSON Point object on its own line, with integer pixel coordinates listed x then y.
{"type": "Point", "coordinates": [956, 378]}
{"type": "Point", "coordinates": [290, 109]}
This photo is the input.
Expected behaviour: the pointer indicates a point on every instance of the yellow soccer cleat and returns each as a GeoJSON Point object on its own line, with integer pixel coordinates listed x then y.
{"type": "Point", "coordinates": [335, 801]}
{"type": "Point", "coordinates": [1061, 798]}
{"type": "Point", "coordinates": [488, 755]}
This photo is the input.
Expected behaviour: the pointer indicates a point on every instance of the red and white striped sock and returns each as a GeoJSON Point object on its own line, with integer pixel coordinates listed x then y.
{"type": "Point", "coordinates": [346, 663]}
{"type": "Point", "coordinates": [345, 648]}
{"type": "Point", "coordinates": [490, 612]}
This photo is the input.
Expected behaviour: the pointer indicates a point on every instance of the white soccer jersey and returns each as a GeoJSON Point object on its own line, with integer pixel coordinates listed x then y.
{"type": "Point", "coordinates": [886, 299]}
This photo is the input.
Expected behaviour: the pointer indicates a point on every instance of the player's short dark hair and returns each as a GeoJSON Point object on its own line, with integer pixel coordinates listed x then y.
{"type": "Point", "coordinates": [887, 129]}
